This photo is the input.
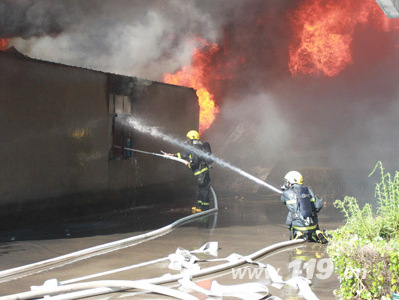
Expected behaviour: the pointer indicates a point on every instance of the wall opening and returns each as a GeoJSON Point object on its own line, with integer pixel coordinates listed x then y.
{"type": "Point", "coordinates": [120, 107]}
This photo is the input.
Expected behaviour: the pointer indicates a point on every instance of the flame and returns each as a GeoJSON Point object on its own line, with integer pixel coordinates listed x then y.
{"type": "Point", "coordinates": [324, 31]}
{"type": "Point", "coordinates": [3, 43]}
{"type": "Point", "coordinates": [195, 77]}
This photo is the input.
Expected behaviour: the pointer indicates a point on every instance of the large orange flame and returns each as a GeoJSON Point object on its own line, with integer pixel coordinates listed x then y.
{"type": "Point", "coordinates": [195, 77]}
{"type": "Point", "coordinates": [324, 31]}
{"type": "Point", "coordinates": [3, 43]}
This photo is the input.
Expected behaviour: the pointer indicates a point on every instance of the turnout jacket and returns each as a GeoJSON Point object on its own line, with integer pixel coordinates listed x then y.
{"type": "Point", "coordinates": [292, 198]}
{"type": "Point", "coordinates": [196, 162]}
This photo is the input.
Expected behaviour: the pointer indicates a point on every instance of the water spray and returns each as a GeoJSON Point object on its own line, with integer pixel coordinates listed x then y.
{"type": "Point", "coordinates": [153, 131]}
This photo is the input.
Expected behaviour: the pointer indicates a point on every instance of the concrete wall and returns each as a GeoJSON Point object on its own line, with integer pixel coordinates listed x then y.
{"type": "Point", "coordinates": [55, 141]}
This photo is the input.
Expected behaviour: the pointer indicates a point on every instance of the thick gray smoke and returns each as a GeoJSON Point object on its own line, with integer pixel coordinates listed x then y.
{"type": "Point", "coordinates": [27, 18]}
{"type": "Point", "coordinates": [142, 38]}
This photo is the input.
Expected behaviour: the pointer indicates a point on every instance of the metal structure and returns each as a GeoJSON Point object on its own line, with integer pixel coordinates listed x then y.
{"type": "Point", "coordinates": [390, 7]}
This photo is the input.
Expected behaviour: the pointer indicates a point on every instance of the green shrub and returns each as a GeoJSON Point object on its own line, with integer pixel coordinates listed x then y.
{"type": "Point", "coordinates": [368, 269]}
{"type": "Point", "coordinates": [387, 193]}
{"type": "Point", "coordinates": [365, 251]}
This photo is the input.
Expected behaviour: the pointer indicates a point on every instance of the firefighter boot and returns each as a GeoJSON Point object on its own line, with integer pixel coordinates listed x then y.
{"type": "Point", "coordinates": [195, 210]}
{"type": "Point", "coordinates": [322, 238]}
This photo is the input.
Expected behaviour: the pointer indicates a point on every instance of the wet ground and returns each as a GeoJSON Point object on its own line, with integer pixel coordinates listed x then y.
{"type": "Point", "coordinates": [241, 226]}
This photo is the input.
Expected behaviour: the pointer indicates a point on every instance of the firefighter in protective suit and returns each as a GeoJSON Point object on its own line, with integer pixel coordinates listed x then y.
{"type": "Point", "coordinates": [303, 207]}
{"type": "Point", "coordinates": [200, 167]}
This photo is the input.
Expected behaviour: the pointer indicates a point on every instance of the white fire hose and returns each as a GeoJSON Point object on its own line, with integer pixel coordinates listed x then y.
{"type": "Point", "coordinates": [95, 288]}
{"type": "Point", "coordinates": [101, 249]}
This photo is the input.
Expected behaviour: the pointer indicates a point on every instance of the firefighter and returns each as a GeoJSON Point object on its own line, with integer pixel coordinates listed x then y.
{"type": "Point", "coordinates": [303, 206]}
{"type": "Point", "coordinates": [200, 167]}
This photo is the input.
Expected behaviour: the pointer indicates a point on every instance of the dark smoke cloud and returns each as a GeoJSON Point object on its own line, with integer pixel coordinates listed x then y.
{"type": "Point", "coordinates": [145, 38]}
{"type": "Point", "coordinates": [29, 18]}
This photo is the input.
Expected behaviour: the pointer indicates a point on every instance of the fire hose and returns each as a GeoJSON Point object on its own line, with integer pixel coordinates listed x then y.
{"type": "Point", "coordinates": [163, 155]}
{"type": "Point", "coordinates": [10, 274]}
{"type": "Point", "coordinates": [215, 159]}
{"type": "Point", "coordinates": [95, 288]}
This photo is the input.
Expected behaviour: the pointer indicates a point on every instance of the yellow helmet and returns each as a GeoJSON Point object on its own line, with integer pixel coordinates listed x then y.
{"type": "Point", "coordinates": [193, 135]}
{"type": "Point", "coordinates": [294, 177]}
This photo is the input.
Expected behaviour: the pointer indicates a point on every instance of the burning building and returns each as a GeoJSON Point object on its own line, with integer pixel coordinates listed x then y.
{"type": "Point", "coordinates": [64, 137]}
{"type": "Point", "coordinates": [307, 85]}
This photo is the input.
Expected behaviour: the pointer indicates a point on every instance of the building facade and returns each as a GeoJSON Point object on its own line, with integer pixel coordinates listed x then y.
{"type": "Point", "coordinates": [63, 136]}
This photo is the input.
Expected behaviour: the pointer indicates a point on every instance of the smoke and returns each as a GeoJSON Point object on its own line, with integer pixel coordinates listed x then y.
{"type": "Point", "coordinates": [269, 122]}
{"type": "Point", "coordinates": [141, 38]}
{"type": "Point", "coordinates": [255, 125]}
{"type": "Point", "coordinates": [345, 124]}
{"type": "Point", "coordinates": [342, 125]}
{"type": "Point", "coordinates": [27, 18]}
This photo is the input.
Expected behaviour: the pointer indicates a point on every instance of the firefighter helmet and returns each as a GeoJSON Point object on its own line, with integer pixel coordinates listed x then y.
{"type": "Point", "coordinates": [193, 135]}
{"type": "Point", "coordinates": [294, 177]}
